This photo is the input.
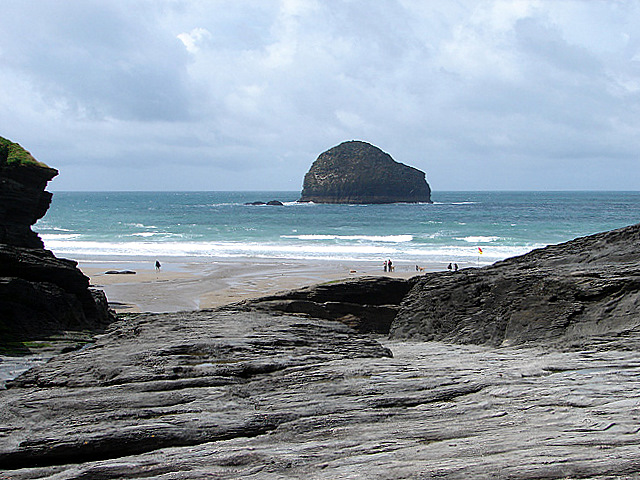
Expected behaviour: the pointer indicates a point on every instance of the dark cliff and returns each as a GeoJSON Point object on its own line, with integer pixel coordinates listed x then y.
{"type": "Point", "coordinates": [357, 172]}
{"type": "Point", "coordinates": [24, 200]}
{"type": "Point", "coordinates": [585, 292]}
{"type": "Point", "coordinates": [39, 294]}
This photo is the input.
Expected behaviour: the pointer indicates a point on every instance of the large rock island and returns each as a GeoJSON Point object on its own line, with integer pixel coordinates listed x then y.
{"type": "Point", "coordinates": [357, 172]}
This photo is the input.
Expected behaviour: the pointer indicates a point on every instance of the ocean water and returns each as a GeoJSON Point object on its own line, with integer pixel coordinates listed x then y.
{"type": "Point", "coordinates": [219, 224]}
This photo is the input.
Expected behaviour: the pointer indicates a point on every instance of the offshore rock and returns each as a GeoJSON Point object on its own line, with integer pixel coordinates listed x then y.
{"type": "Point", "coordinates": [583, 293]}
{"type": "Point", "coordinates": [40, 294]}
{"type": "Point", "coordinates": [356, 172]}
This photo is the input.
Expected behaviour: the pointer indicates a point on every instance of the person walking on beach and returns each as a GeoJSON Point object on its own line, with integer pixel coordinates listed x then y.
{"type": "Point", "coordinates": [455, 267]}
{"type": "Point", "coordinates": [385, 265]}
{"type": "Point", "coordinates": [449, 267]}
{"type": "Point", "coordinates": [158, 266]}
{"type": "Point", "coordinates": [390, 265]}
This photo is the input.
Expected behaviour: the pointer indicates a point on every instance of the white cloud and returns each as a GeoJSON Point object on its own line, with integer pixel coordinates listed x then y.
{"type": "Point", "coordinates": [194, 38]}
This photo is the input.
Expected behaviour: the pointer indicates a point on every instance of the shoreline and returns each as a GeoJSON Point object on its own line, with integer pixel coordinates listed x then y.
{"type": "Point", "coordinates": [194, 283]}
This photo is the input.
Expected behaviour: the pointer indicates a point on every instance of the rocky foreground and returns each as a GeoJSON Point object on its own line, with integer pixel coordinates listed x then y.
{"type": "Point", "coordinates": [525, 369]}
{"type": "Point", "coordinates": [252, 395]}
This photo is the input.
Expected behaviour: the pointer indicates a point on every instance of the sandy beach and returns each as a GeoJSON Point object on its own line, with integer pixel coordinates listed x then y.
{"type": "Point", "coordinates": [189, 283]}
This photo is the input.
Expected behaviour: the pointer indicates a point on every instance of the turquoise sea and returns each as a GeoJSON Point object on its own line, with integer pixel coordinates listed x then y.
{"type": "Point", "coordinates": [219, 224]}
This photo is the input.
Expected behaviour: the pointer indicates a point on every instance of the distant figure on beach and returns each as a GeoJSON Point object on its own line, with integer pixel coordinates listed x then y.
{"type": "Point", "coordinates": [158, 266]}
{"type": "Point", "coordinates": [390, 265]}
{"type": "Point", "coordinates": [385, 265]}
{"type": "Point", "coordinates": [449, 267]}
{"type": "Point", "coordinates": [455, 267]}
{"type": "Point", "coordinates": [417, 268]}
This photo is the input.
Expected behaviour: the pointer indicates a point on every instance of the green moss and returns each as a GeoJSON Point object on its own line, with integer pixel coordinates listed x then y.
{"type": "Point", "coordinates": [35, 345]}
{"type": "Point", "coordinates": [13, 349]}
{"type": "Point", "coordinates": [13, 154]}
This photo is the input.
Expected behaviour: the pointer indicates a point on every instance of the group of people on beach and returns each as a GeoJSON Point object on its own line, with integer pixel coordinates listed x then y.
{"type": "Point", "coordinates": [389, 267]}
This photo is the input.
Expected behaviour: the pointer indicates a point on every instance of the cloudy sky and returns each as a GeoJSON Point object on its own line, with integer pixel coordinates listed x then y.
{"type": "Point", "coordinates": [245, 94]}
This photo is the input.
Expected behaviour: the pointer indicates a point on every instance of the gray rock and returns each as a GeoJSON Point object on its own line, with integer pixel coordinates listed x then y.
{"type": "Point", "coordinates": [165, 380]}
{"type": "Point", "coordinates": [235, 395]}
{"type": "Point", "coordinates": [572, 295]}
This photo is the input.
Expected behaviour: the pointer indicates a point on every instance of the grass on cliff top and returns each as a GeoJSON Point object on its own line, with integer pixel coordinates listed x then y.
{"type": "Point", "coordinates": [14, 155]}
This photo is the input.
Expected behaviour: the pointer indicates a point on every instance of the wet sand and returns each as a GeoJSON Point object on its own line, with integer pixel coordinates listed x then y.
{"type": "Point", "coordinates": [198, 283]}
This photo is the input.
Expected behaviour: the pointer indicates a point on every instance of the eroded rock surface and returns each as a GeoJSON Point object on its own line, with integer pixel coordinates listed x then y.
{"type": "Point", "coordinates": [357, 172]}
{"type": "Point", "coordinates": [168, 380]}
{"type": "Point", "coordinates": [233, 395]}
{"type": "Point", "coordinates": [573, 295]}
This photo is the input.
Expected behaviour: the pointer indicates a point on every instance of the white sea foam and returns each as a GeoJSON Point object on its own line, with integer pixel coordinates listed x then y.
{"type": "Point", "coordinates": [353, 251]}
{"type": "Point", "coordinates": [370, 238]}
{"type": "Point", "coordinates": [139, 225]}
{"type": "Point", "coordinates": [58, 236]}
{"type": "Point", "coordinates": [480, 239]}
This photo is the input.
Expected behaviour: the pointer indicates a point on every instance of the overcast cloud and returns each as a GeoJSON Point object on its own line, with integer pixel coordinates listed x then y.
{"type": "Point", "coordinates": [244, 95]}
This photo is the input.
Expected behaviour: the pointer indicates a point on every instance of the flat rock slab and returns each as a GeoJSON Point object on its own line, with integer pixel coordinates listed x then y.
{"type": "Point", "coordinates": [250, 395]}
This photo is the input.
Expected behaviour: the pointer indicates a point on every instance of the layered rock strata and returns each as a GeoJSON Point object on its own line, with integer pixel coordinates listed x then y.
{"type": "Point", "coordinates": [22, 193]}
{"type": "Point", "coordinates": [253, 395]}
{"type": "Point", "coordinates": [357, 172]}
{"type": "Point", "coordinates": [573, 295]}
{"type": "Point", "coordinates": [368, 305]}
{"type": "Point", "coordinates": [39, 294]}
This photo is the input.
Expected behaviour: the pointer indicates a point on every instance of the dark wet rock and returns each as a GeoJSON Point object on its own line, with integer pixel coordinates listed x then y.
{"type": "Point", "coordinates": [580, 293]}
{"type": "Point", "coordinates": [39, 293]}
{"type": "Point", "coordinates": [23, 199]}
{"type": "Point", "coordinates": [367, 304]}
{"type": "Point", "coordinates": [357, 172]}
{"type": "Point", "coordinates": [120, 272]}
{"type": "Point", "coordinates": [276, 203]}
